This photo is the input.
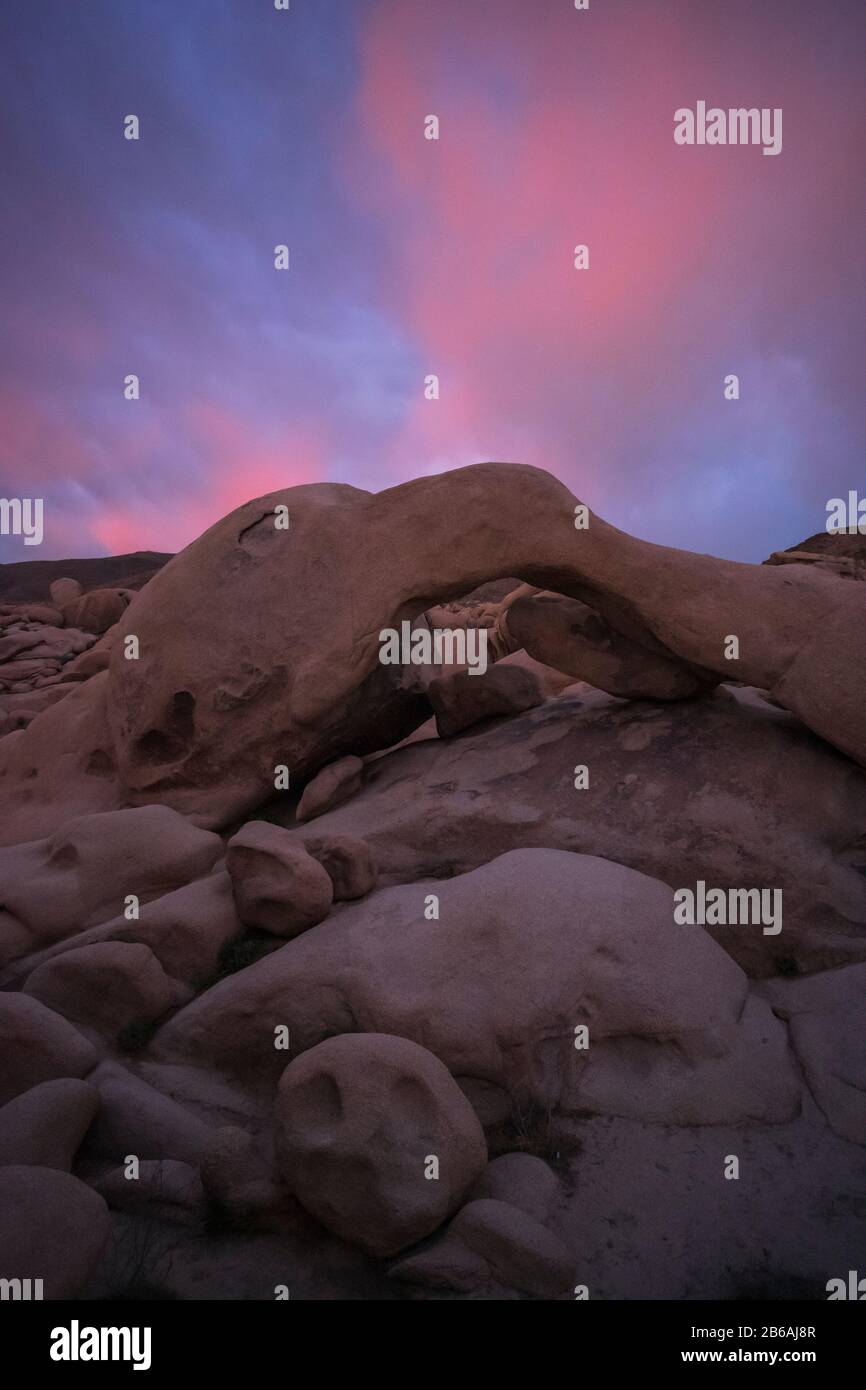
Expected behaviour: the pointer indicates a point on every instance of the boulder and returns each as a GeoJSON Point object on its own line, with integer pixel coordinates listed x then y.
{"type": "Point", "coordinates": [46, 1125]}
{"type": "Point", "coordinates": [520, 1180]}
{"type": "Point", "coordinates": [97, 611]}
{"type": "Point", "coordinates": [186, 930]}
{"type": "Point", "coordinates": [490, 1244]}
{"type": "Point", "coordinates": [361, 1119]}
{"type": "Point", "coordinates": [525, 951]}
{"type": "Point", "coordinates": [135, 1118]}
{"type": "Point", "coordinates": [82, 875]}
{"type": "Point", "coordinates": [52, 1227]}
{"type": "Point", "coordinates": [348, 863]}
{"type": "Point", "coordinates": [465, 698]}
{"type": "Point", "coordinates": [518, 1251]}
{"type": "Point", "coordinates": [107, 986]}
{"type": "Point", "coordinates": [38, 1045]}
{"type": "Point", "coordinates": [278, 887]}
{"type": "Point", "coordinates": [64, 591]}
{"type": "Point", "coordinates": [334, 784]}
{"type": "Point", "coordinates": [570, 636]}
{"type": "Point", "coordinates": [444, 1264]}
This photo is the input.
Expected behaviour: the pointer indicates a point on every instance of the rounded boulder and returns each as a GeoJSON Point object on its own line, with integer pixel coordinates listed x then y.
{"type": "Point", "coordinates": [376, 1139]}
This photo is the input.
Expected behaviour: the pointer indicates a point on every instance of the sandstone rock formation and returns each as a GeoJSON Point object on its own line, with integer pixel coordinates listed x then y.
{"type": "Point", "coordinates": [792, 626]}
{"type": "Point", "coordinates": [449, 934]}
{"type": "Point", "coordinates": [300, 685]}
{"type": "Point", "coordinates": [35, 653]}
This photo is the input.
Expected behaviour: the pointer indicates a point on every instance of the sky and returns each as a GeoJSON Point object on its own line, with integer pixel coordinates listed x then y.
{"type": "Point", "coordinates": [410, 257]}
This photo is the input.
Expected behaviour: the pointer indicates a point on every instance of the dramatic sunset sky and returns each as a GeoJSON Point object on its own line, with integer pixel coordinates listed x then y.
{"type": "Point", "coordinates": [411, 257]}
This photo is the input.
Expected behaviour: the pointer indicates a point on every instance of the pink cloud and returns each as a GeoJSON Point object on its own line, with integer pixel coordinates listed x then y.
{"type": "Point", "coordinates": [243, 462]}
{"type": "Point", "coordinates": [557, 129]}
